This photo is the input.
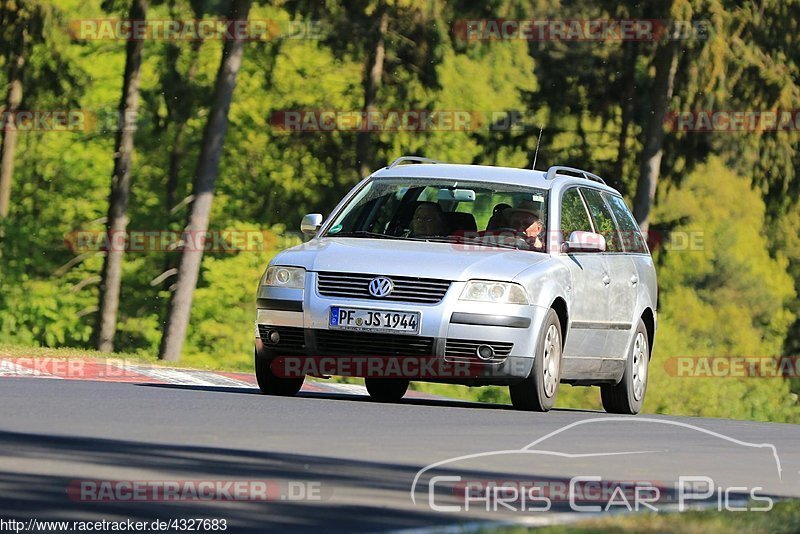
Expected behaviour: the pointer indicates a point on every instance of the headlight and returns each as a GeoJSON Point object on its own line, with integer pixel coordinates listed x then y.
{"type": "Point", "coordinates": [500, 292]}
{"type": "Point", "coordinates": [294, 277]}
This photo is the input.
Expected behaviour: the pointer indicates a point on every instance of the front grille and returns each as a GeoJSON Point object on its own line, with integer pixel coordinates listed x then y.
{"type": "Point", "coordinates": [292, 339]}
{"type": "Point", "coordinates": [344, 343]}
{"type": "Point", "coordinates": [465, 350]}
{"type": "Point", "coordinates": [406, 288]}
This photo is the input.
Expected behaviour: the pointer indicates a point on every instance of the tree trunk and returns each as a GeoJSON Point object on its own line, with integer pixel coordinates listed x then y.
{"type": "Point", "coordinates": [9, 145]}
{"type": "Point", "coordinates": [117, 219]}
{"type": "Point", "coordinates": [179, 119]}
{"type": "Point", "coordinates": [373, 73]}
{"type": "Point", "coordinates": [629, 56]}
{"type": "Point", "coordinates": [179, 116]}
{"type": "Point", "coordinates": [175, 164]}
{"type": "Point", "coordinates": [203, 185]}
{"type": "Point", "coordinates": [666, 64]}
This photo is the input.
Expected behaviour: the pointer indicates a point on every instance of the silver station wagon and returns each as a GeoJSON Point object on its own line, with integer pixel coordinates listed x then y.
{"type": "Point", "coordinates": [465, 274]}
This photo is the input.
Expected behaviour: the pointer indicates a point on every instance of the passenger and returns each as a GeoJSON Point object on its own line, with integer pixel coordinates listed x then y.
{"type": "Point", "coordinates": [497, 221]}
{"type": "Point", "coordinates": [428, 221]}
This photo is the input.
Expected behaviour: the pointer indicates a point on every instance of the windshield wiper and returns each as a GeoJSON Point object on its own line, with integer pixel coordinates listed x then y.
{"type": "Point", "coordinates": [471, 241]}
{"type": "Point", "coordinates": [363, 233]}
{"type": "Point", "coordinates": [490, 244]}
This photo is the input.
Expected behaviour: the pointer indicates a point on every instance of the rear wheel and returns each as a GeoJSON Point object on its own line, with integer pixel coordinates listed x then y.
{"type": "Point", "coordinates": [538, 391]}
{"type": "Point", "coordinates": [270, 384]}
{"type": "Point", "coordinates": [627, 397]}
{"type": "Point", "coordinates": [386, 389]}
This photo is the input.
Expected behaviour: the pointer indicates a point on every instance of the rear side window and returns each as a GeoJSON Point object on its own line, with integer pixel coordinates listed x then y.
{"type": "Point", "coordinates": [603, 220]}
{"type": "Point", "coordinates": [573, 214]}
{"type": "Point", "coordinates": [632, 238]}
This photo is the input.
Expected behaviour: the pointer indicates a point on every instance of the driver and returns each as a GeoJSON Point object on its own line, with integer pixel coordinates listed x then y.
{"type": "Point", "coordinates": [527, 222]}
{"type": "Point", "coordinates": [428, 221]}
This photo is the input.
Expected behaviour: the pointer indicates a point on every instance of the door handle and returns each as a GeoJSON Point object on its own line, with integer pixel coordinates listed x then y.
{"type": "Point", "coordinates": [634, 280]}
{"type": "Point", "coordinates": [606, 280]}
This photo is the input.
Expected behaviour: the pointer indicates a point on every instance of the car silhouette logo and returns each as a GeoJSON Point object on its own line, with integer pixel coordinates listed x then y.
{"type": "Point", "coordinates": [380, 286]}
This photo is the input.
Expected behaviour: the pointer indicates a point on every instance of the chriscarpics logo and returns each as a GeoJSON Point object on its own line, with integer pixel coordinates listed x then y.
{"type": "Point", "coordinates": [581, 467]}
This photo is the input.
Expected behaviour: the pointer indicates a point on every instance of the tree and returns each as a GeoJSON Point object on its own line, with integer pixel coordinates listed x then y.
{"type": "Point", "coordinates": [179, 95]}
{"type": "Point", "coordinates": [117, 218]}
{"type": "Point", "coordinates": [665, 64]}
{"type": "Point", "coordinates": [373, 74]}
{"type": "Point", "coordinates": [16, 62]}
{"type": "Point", "coordinates": [203, 189]}
{"type": "Point", "coordinates": [180, 99]}
{"type": "Point", "coordinates": [23, 24]}
{"type": "Point", "coordinates": [178, 111]}
{"type": "Point", "coordinates": [398, 45]}
{"type": "Point", "coordinates": [630, 52]}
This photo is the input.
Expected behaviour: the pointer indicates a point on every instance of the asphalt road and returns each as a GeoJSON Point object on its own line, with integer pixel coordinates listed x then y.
{"type": "Point", "coordinates": [343, 462]}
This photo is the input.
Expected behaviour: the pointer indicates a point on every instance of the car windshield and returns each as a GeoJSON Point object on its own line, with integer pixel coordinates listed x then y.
{"type": "Point", "coordinates": [444, 210]}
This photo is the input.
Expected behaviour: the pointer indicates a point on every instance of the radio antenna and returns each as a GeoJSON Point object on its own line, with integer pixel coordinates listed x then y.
{"type": "Point", "coordinates": [536, 154]}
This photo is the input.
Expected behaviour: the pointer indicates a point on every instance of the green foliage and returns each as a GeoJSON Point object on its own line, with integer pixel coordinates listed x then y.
{"type": "Point", "coordinates": [784, 518]}
{"type": "Point", "coordinates": [728, 298]}
{"type": "Point", "coordinates": [225, 332]}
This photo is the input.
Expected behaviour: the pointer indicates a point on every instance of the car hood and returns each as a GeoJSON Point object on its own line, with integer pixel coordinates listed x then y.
{"type": "Point", "coordinates": [444, 261]}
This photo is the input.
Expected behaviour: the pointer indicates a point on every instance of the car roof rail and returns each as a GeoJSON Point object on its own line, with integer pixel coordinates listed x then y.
{"type": "Point", "coordinates": [553, 172]}
{"type": "Point", "coordinates": [411, 159]}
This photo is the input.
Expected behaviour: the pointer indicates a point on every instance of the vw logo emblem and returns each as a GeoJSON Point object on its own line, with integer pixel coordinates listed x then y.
{"type": "Point", "coordinates": [380, 286]}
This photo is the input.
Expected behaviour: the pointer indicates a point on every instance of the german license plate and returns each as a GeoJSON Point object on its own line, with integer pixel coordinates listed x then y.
{"type": "Point", "coordinates": [369, 320]}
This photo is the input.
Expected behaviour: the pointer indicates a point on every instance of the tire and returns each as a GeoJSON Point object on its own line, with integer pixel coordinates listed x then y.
{"type": "Point", "coordinates": [386, 389]}
{"type": "Point", "coordinates": [627, 397]}
{"type": "Point", "coordinates": [538, 392]}
{"type": "Point", "coordinates": [269, 384]}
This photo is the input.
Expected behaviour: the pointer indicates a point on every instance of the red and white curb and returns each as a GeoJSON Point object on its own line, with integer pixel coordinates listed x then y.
{"type": "Point", "coordinates": [120, 370]}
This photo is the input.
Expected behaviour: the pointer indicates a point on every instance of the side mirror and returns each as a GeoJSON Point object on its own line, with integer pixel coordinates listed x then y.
{"type": "Point", "coordinates": [584, 242]}
{"type": "Point", "coordinates": [311, 223]}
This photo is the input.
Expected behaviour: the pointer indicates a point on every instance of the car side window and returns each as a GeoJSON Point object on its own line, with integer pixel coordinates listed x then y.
{"type": "Point", "coordinates": [603, 220]}
{"type": "Point", "coordinates": [573, 214]}
{"type": "Point", "coordinates": [632, 238]}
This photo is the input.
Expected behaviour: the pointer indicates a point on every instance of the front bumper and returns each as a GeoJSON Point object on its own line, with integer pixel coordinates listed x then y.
{"type": "Point", "coordinates": [449, 331]}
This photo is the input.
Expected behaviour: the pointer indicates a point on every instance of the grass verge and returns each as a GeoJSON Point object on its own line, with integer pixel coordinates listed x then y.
{"type": "Point", "coordinates": [783, 518]}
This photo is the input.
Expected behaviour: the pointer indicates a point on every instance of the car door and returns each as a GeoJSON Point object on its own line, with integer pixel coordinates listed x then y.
{"type": "Point", "coordinates": [588, 304]}
{"type": "Point", "coordinates": [636, 251]}
{"type": "Point", "coordinates": [621, 271]}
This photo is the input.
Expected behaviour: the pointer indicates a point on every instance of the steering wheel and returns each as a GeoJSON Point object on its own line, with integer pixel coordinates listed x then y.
{"type": "Point", "coordinates": [505, 229]}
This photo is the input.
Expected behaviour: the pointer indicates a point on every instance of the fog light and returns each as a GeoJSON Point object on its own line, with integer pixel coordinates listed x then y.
{"type": "Point", "coordinates": [485, 352]}
{"type": "Point", "coordinates": [274, 337]}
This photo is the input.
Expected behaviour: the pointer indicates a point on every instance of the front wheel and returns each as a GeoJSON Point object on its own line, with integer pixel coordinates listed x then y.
{"type": "Point", "coordinates": [627, 397]}
{"type": "Point", "coordinates": [537, 393]}
{"type": "Point", "coordinates": [386, 389]}
{"type": "Point", "coordinates": [270, 384]}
